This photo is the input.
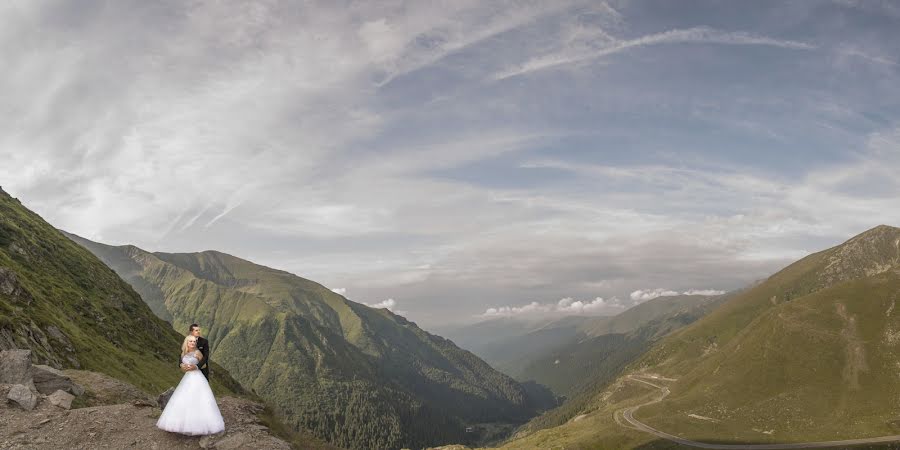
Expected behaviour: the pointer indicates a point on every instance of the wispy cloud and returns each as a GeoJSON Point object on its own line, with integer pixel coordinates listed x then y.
{"type": "Point", "coordinates": [360, 146]}
{"type": "Point", "coordinates": [597, 48]}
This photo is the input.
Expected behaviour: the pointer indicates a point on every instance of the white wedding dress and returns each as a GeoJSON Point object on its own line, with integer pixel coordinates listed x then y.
{"type": "Point", "coordinates": [192, 408]}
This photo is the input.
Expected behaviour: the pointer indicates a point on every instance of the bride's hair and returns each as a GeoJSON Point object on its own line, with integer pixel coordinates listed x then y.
{"type": "Point", "coordinates": [184, 346]}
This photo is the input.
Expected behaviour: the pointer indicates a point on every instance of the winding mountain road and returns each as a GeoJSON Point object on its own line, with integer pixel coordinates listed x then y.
{"type": "Point", "coordinates": [628, 415]}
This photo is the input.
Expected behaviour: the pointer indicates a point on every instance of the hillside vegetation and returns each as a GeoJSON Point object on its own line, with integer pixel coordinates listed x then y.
{"type": "Point", "coordinates": [72, 311]}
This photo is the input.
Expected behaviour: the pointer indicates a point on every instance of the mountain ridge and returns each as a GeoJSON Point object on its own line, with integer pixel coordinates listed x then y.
{"type": "Point", "coordinates": [341, 353]}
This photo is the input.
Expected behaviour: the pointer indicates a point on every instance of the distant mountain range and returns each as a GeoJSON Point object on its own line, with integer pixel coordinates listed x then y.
{"type": "Point", "coordinates": [808, 355]}
{"type": "Point", "coordinates": [578, 355]}
{"type": "Point", "coordinates": [73, 311]}
{"type": "Point", "coordinates": [563, 353]}
{"type": "Point", "coordinates": [356, 376]}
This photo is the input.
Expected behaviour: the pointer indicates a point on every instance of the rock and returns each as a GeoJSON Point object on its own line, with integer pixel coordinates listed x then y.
{"type": "Point", "coordinates": [48, 380]}
{"type": "Point", "coordinates": [235, 441]}
{"type": "Point", "coordinates": [41, 423]}
{"type": "Point", "coordinates": [15, 368]}
{"type": "Point", "coordinates": [10, 286]}
{"type": "Point", "coordinates": [23, 396]}
{"type": "Point", "coordinates": [164, 397]}
{"type": "Point", "coordinates": [62, 399]}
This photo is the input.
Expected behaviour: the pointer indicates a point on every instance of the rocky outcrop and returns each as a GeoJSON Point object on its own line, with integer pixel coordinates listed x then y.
{"type": "Point", "coordinates": [25, 385]}
{"type": "Point", "coordinates": [48, 380]}
{"type": "Point", "coordinates": [131, 425]}
{"type": "Point", "coordinates": [12, 288]}
{"type": "Point", "coordinates": [109, 414]}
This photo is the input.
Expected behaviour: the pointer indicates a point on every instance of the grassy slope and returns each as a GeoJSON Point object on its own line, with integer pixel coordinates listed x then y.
{"type": "Point", "coordinates": [357, 376]}
{"type": "Point", "coordinates": [821, 367]}
{"type": "Point", "coordinates": [82, 314]}
{"type": "Point", "coordinates": [809, 354]}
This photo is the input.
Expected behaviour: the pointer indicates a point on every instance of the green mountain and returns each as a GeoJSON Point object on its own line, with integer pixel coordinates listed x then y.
{"type": "Point", "coordinates": [72, 311]}
{"type": "Point", "coordinates": [358, 377]}
{"type": "Point", "coordinates": [808, 355]}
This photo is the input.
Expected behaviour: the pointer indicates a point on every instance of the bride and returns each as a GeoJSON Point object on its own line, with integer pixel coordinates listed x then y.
{"type": "Point", "coordinates": [192, 408]}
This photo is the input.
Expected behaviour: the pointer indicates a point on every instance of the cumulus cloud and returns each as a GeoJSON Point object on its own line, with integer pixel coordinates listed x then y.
{"type": "Point", "coordinates": [565, 306]}
{"type": "Point", "coordinates": [511, 311]}
{"type": "Point", "coordinates": [568, 305]}
{"type": "Point", "coordinates": [341, 291]}
{"type": "Point", "coordinates": [388, 304]}
{"type": "Point", "coordinates": [704, 292]}
{"type": "Point", "coordinates": [642, 295]}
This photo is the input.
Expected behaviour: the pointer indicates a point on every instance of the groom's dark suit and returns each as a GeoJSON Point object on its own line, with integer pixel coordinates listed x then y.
{"type": "Point", "coordinates": [203, 346]}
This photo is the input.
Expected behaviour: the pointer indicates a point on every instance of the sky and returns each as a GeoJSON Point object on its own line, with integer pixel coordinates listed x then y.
{"type": "Point", "coordinates": [461, 160]}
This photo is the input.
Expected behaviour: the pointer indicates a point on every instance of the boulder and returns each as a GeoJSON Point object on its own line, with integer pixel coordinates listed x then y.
{"type": "Point", "coordinates": [61, 399]}
{"type": "Point", "coordinates": [15, 368]}
{"type": "Point", "coordinates": [164, 397]}
{"type": "Point", "coordinates": [48, 380]}
{"type": "Point", "coordinates": [23, 396]}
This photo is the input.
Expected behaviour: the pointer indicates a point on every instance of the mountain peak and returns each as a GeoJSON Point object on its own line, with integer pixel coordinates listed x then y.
{"type": "Point", "coordinates": [880, 230]}
{"type": "Point", "coordinates": [868, 253]}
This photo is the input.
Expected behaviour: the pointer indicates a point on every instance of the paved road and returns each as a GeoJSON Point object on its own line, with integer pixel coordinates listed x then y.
{"type": "Point", "coordinates": [628, 414]}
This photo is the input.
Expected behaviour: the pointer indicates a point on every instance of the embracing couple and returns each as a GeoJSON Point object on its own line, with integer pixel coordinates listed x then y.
{"type": "Point", "coordinates": [192, 408]}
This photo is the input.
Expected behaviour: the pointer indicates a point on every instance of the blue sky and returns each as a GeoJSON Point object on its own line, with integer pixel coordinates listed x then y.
{"type": "Point", "coordinates": [464, 157]}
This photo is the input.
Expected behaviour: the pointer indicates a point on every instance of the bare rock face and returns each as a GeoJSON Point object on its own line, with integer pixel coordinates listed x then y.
{"type": "Point", "coordinates": [15, 368]}
{"type": "Point", "coordinates": [61, 399]}
{"type": "Point", "coordinates": [10, 286]}
{"type": "Point", "coordinates": [48, 380]}
{"type": "Point", "coordinates": [163, 398]}
{"type": "Point", "coordinates": [23, 396]}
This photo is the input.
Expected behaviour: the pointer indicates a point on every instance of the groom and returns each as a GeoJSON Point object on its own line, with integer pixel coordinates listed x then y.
{"type": "Point", "coordinates": [203, 346]}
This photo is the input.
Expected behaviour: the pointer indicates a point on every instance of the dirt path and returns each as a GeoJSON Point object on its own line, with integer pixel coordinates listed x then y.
{"type": "Point", "coordinates": [628, 415]}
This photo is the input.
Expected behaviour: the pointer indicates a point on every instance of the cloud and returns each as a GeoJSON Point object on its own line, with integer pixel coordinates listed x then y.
{"type": "Point", "coordinates": [565, 306]}
{"type": "Point", "coordinates": [855, 52]}
{"type": "Point", "coordinates": [704, 292]}
{"type": "Point", "coordinates": [388, 304]}
{"type": "Point", "coordinates": [340, 291]}
{"type": "Point", "coordinates": [607, 45]}
{"type": "Point", "coordinates": [360, 146]}
{"type": "Point", "coordinates": [642, 295]}
{"type": "Point", "coordinates": [568, 305]}
{"type": "Point", "coordinates": [511, 311]}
